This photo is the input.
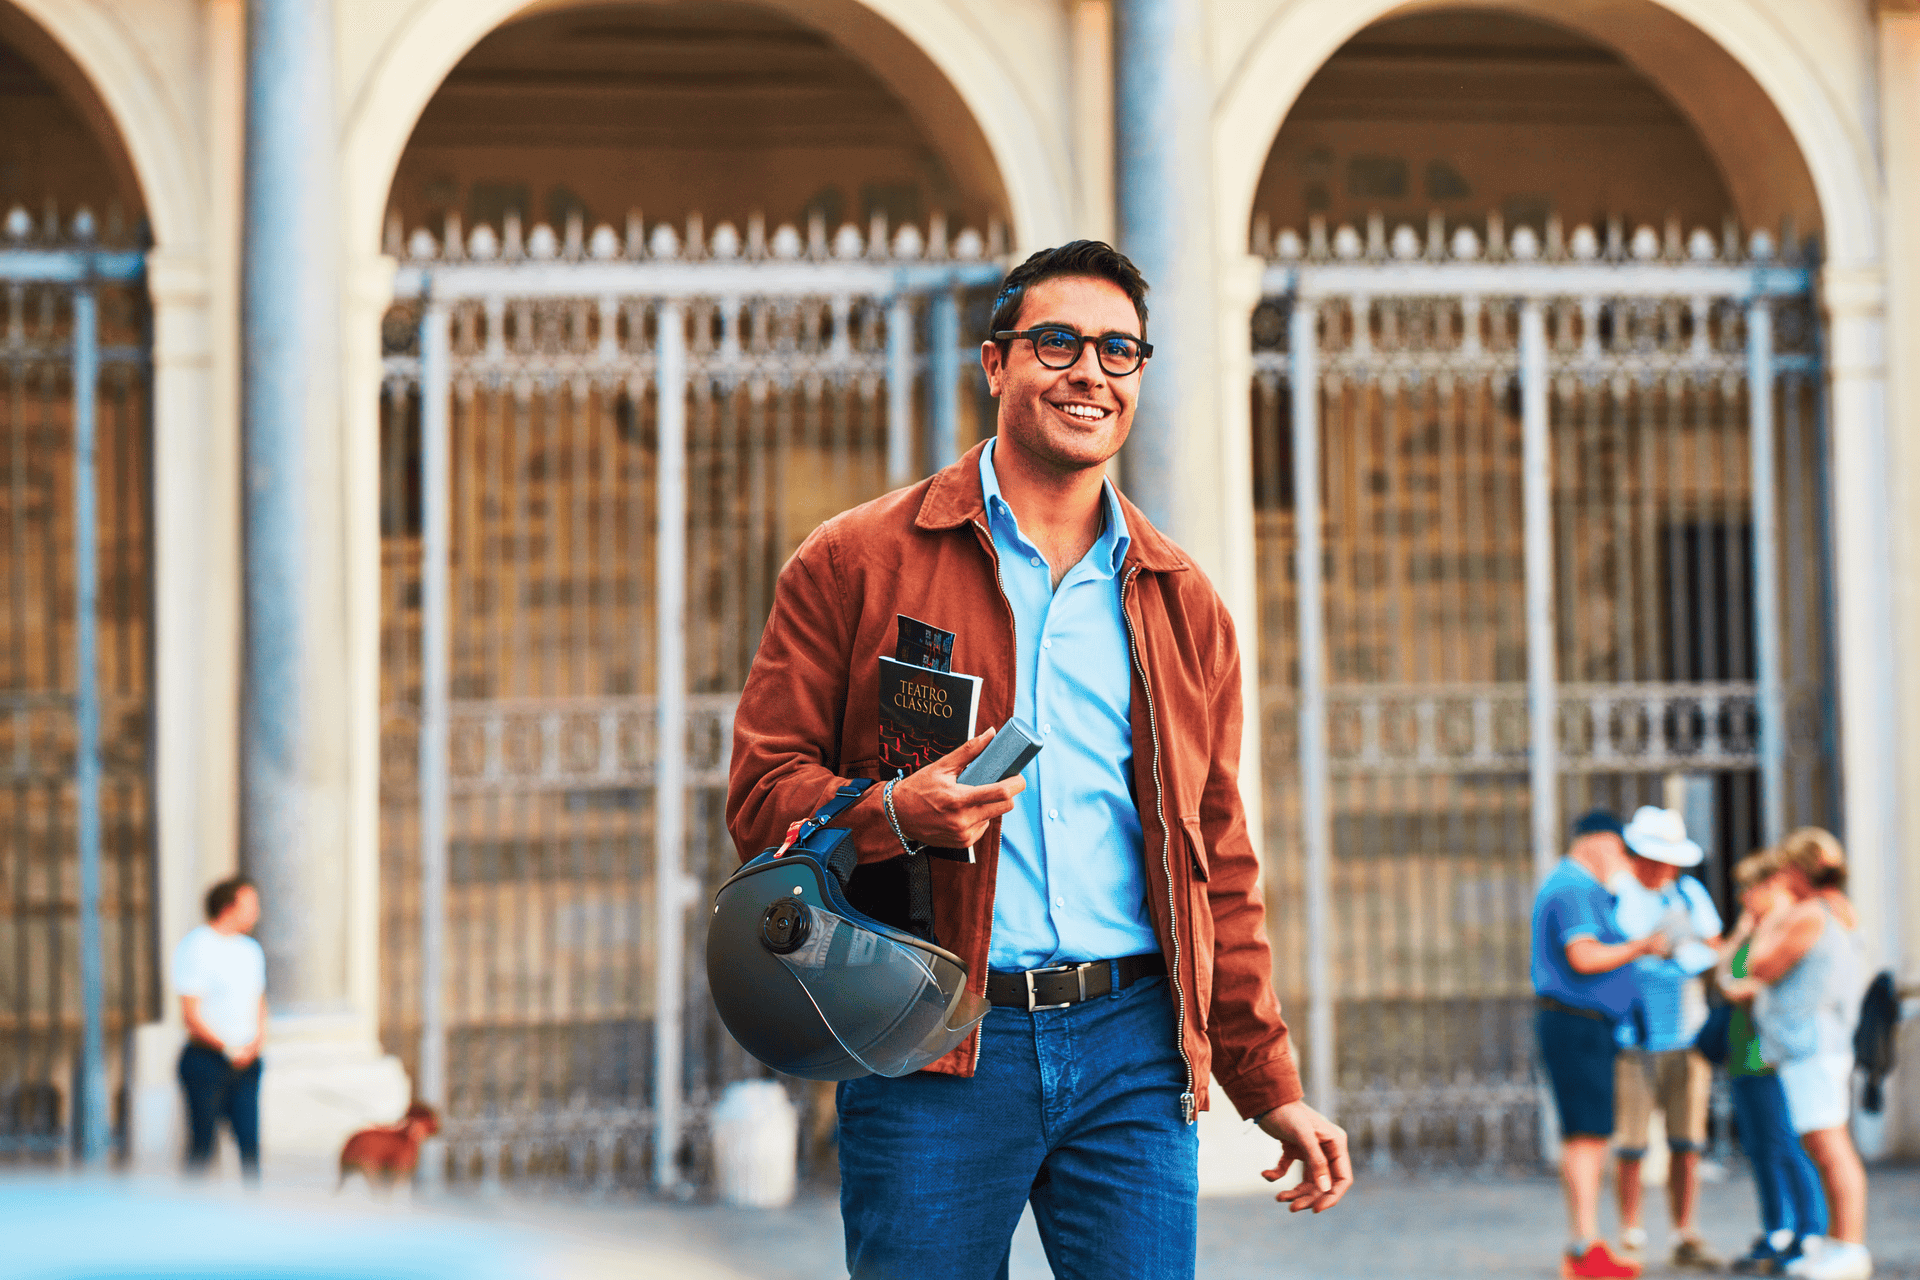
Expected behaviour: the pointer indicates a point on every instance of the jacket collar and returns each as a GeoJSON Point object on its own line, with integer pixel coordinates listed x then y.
{"type": "Point", "coordinates": [953, 498]}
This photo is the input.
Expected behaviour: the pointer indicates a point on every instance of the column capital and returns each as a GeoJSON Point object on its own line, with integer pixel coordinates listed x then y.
{"type": "Point", "coordinates": [1851, 292]}
{"type": "Point", "coordinates": [1240, 284]}
{"type": "Point", "coordinates": [179, 279]}
{"type": "Point", "coordinates": [370, 281]}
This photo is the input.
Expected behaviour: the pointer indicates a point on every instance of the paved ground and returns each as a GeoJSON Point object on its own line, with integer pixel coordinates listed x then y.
{"type": "Point", "coordinates": [1399, 1227]}
{"type": "Point", "coordinates": [107, 1228]}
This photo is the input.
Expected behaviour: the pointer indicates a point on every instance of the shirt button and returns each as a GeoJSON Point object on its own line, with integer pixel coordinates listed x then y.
{"type": "Point", "coordinates": [1046, 644]}
{"type": "Point", "coordinates": [1059, 902]}
{"type": "Point", "coordinates": [1046, 728]}
{"type": "Point", "coordinates": [1054, 814]}
{"type": "Point", "coordinates": [1035, 562]}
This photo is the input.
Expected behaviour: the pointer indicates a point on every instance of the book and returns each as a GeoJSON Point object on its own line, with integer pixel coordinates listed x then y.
{"type": "Point", "coordinates": [924, 714]}
{"type": "Point", "coordinates": [923, 645]}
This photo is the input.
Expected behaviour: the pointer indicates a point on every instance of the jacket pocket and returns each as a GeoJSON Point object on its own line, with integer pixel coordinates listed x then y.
{"type": "Point", "coordinates": [1196, 847]}
{"type": "Point", "coordinates": [1200, 923]}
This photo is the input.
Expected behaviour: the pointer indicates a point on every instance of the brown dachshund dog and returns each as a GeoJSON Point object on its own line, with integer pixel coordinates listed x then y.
{"type": "Point", "coordinates": [387, 1154]}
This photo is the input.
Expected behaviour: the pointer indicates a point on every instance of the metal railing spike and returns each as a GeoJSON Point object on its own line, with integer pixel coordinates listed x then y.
{"type": "Point", "coordinates": [726, 242]}
{"type": "Point", "coordinates": [511, 246]}
{"type": "Point", "coordinates": [576, 242]}
{"type": "Point", "coordinates": [696, 236]}
{"type": "Point", "coordinates": [636, 235]}
{"type": "Point", "coordinates": [756, 235]}
{"type": "Point", "coordinates": [542, 244]}
{"type": "Point", "coordinates": [604, 244]}
{"type": "Point", "coordinates": [420, 245]}
{"type": "Point", "coordinates": [451, 239]}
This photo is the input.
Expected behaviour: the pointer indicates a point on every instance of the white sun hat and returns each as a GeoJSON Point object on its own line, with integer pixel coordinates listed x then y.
{"type": "Point", "coordinates": [1660, 835]}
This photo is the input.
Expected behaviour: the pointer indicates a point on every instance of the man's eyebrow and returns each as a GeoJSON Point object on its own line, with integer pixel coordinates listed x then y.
{"type": "Point", "coordinates": [1074, 328]}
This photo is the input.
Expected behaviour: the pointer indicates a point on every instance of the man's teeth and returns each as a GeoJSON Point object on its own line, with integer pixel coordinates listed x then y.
{"type": "Point", "coordinates": [1084, 411]}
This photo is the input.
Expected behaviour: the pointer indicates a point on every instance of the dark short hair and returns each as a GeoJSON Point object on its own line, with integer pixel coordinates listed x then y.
{"type": "Point", "coordinates": [1597, 822]}
{"type": "Point", "coordinates": [1086, 258]}
{"type": "Point", "coordinates": [221, 896]}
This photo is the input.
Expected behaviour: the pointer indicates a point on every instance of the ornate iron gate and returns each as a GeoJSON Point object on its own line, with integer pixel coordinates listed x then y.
{"type": "Point", "coordinates": [599, 450]}
{"type": "Point", "coordinates": [1546, 531]}
{"type": "Point", "coordinates": [76, 857]}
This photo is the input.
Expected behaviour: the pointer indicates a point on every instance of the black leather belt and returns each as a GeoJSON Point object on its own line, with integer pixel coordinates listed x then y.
{"type": "Point", "coordinates": [1554, 1006]}
{"type": "Point", "coordinates": [1060, 985]}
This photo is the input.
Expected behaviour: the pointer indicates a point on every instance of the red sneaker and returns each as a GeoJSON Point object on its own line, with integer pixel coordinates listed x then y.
{"type": "Point", "coordinates": [1598, 1260]}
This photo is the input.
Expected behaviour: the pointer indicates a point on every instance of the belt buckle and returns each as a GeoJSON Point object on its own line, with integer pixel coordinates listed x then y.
{"type": "Point", "coordinates": [1055, 968]}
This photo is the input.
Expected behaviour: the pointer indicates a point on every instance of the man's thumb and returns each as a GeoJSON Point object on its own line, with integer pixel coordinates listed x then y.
{"type": "Point", "coordinates": [963, 754]}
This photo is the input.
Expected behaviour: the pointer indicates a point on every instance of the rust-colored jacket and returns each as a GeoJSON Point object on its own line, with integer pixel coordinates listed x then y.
{"type": "Point", "coordinates": [809, 719]}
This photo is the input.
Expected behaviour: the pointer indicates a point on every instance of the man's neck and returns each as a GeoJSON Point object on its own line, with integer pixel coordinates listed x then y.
{"type": "Point", "coordinates": [1061, 512]}
{"type": "Point", "coordinates": [225, 928]}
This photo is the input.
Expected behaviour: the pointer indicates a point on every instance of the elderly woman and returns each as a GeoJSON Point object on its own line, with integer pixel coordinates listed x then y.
{"type": "Point", "coordinates": [1805, 956]}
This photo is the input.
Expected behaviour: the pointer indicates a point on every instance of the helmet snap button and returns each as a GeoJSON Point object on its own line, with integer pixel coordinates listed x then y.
{"type": "Point", "coordinates": [784, 927]}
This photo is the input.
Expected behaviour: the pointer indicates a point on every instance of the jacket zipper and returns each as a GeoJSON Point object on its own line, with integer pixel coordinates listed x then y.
{"type": "Point", "coordinates": [1013, 621]}
{"type": "Point", "coordinates": [1187, 1102]}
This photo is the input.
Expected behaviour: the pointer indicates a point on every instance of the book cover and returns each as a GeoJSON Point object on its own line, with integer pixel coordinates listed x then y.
{"type": "Point", "coordinates": [923, 644]}
{"type": "Point", "coordinates": [924, 714]}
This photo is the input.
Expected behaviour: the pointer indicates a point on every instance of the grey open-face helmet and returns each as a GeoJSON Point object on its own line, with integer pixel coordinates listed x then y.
{"type": "Point", "coordinates": [815, 988]}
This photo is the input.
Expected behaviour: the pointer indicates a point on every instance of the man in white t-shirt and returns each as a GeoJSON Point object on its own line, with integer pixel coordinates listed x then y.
{"type": "Point", "coordinates": [221, 975]}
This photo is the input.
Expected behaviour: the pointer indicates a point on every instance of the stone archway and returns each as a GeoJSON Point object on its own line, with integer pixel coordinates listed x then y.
{"type": "Point", "coordinates": [1778, 110]}
{"type": "Point", "coordinates": [900, 40]}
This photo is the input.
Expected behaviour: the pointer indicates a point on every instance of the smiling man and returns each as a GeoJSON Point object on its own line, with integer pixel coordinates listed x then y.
{"type": "Point", "coordinates": [1112, 917]}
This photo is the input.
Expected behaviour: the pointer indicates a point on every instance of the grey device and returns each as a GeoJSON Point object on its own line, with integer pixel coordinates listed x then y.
{"type": "Point", "coordinates": [1011, 750]}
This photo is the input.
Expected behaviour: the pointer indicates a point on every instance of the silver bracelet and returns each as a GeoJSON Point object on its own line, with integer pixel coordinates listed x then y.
{"type": "Point", "coordinates": [893, 820]}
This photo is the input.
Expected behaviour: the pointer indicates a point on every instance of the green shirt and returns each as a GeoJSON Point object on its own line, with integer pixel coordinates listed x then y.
{"type": "Point", "coordinates": [1743, 1046]}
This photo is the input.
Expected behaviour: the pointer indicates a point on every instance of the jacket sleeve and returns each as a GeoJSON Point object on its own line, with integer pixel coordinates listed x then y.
{"type": "Point", "coordinates": [787, 728]}
{"type": "Point", "coordinates": [1253, 1051]}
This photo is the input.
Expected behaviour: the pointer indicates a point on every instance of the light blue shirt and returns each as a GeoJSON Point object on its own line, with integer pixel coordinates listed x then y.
{"type": "Point", "coordinates": [1072, 881]}
{"type": "Point", "coordinates": [1674, 1000]}
{"type": "Point", "coordinates": [1572, 904]}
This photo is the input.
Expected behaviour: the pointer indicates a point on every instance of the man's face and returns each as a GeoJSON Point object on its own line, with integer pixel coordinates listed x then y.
{"type": "Point", "coordinates": [1654, 875]}
{"type": "Point", "coordinates": [1602, 850]}
{"type": "Point", "coordinates": [1070, 419]}
{"type": "Point", "coordinates": [245, 911]}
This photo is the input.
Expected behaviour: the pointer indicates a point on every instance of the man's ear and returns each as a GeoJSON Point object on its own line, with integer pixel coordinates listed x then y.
{"type": "Point", "coordinates": [992, 362]}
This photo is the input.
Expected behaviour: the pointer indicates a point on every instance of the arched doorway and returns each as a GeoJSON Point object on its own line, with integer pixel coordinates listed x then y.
{"type": "Point", "coordinates": [667, 333]}
{"type": "Point", "coordinates": [76, 830]}
{"type": "Point", "coordinates": [1541, 335]}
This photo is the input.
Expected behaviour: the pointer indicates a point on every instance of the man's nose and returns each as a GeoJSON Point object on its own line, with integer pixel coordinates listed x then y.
{"type": "Point", "coordinates": [1087, 368]}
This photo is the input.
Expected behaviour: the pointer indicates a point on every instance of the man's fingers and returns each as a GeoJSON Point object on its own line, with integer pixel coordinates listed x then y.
{"type": "Point", "coordinates": [961, 756]}
{"type": "Point", "coordinates": [1316, 1164]}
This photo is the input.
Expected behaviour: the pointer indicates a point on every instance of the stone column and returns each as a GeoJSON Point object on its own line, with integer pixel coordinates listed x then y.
{"type": "Point", "coordinates": [1164, 205]}
{"type": "Point", "coordinates": [325, 1072]}
{"type": "Point", "coordinates": [1900, 123]}
{"type": "Point", "coordinates": [1867, 650]}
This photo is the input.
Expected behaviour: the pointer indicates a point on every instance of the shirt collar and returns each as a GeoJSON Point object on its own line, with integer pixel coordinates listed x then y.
{"type": "Point", "coordinates": [1107, 554]}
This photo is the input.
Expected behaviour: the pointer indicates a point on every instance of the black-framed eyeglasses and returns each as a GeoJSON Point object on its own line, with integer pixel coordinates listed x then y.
{"type": "Point", "coordinates": [1058, 347]}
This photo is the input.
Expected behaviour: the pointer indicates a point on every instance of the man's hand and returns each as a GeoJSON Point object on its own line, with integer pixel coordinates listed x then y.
{"type": "Point", "coordinates": [935, 809]}
{"type": "Point", "coordinates": [243, 1057]}
{"type": "Point", "coordinates": [1318, 1143]}
{"type": "Point", "coordinates": [1657, 943]}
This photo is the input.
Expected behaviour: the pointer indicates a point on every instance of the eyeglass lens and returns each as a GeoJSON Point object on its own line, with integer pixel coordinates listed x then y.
{"type": "Point", "coordinates": [1118, 354]}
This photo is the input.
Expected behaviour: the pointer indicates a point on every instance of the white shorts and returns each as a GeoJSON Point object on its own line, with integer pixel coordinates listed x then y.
{"type": "Point", "coordinates": [1819, 1090]}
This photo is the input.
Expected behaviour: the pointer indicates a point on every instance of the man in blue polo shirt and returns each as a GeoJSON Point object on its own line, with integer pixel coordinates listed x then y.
{"type": "Point", "coordinates": [1584, 987]}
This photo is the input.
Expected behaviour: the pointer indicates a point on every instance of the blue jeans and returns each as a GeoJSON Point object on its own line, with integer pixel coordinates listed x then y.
{"type": "Point", "coordinates": [215, 1091]}
{"type": "Point", "coordinates": [1076, 1110]}
{"type": "Point", "coordinates": [1783, 1173]}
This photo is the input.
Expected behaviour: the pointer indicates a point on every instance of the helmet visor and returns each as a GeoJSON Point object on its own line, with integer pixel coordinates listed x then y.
{"type": "Point", "coordinates": [892, 1007]}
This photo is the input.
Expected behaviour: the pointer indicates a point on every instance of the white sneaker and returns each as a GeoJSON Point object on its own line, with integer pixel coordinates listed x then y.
{"type": "Point", "coordinates": [1633, 1239]}
{"type": "Point", "coordinates": [1826, 1259]}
